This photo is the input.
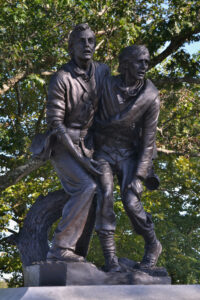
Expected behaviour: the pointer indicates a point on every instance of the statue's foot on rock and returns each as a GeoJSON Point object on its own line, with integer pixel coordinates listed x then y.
{"type": "Point", "coordinates": [112, 265]}
{"type": "Point", "coordinates": [66, 255]}
{"type": "Point", "coordinates": [151, 255]}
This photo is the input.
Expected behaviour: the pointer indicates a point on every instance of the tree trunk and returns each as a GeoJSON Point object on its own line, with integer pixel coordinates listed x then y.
{"type": "Point", "coordinates": [32, 240]}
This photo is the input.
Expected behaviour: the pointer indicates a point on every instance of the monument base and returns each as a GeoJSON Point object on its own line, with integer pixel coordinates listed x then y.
{"type": "Point", "coordinates": [60, 273]}
{"type": "Point", "coordinates": [117, 292]}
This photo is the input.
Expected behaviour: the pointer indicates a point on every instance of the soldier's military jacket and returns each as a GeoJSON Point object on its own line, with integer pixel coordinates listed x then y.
{"type": "Point", "coordinates": [126, 123]}
{"type": "Point", "coordinates": [73, 99]}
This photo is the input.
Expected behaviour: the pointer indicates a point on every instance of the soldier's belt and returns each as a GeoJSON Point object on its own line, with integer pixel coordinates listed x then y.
{"type": "Point", "coordinates": [76, 134]}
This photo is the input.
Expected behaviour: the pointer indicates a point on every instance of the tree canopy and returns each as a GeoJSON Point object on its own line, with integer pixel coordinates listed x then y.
{"type": "Point", "coordinates": [33, 44]}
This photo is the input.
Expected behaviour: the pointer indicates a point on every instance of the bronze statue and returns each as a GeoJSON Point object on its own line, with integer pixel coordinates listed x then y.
{"type": "Point", "coordinates": [72, 102]}
{"type": "Point", "coordinates": [125, 131]}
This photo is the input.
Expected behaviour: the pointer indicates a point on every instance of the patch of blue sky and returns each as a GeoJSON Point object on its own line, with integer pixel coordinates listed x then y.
{"type": "Point", "coordinates": [192, 48]}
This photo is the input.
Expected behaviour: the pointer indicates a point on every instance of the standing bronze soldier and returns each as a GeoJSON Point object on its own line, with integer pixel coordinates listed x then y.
{"type": "Point", "coordinates": [72, 102]}
{"type": "Point", "coordinates": [125, 138]}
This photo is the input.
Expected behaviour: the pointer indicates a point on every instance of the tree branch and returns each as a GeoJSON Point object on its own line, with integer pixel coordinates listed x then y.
{"type": "Point", "coordinates": [12, 81]}
{"type": "Point", "coordinates": [32, 70]}
{"type": "Point", "coordinates": [179, 118]}
{"type": "Point", "coordinates": [10, 230]}
{"type": "Point", "coordinates": [14, 176]}
{"type": "Point", "coordinates": [19, 103]}
{"type": "Point", "coordinates": [176, 42]}
{"type": "Point", "coordinates": [99, 44]}
{"type": "Point", "coordinates": [20, 76]}
{"type": "Point", "coordinates": [102, 12]}
{"type": "Point", "coordinates": [174, 80]}
{"type": "Point", "coordinates": [47, 73]}
{"type": "Point", "coordinates": [42, 112]}
{"type": "Point", "coordinates": [102, 32]}
{"type": "Point", "coordinates": [167, 151]}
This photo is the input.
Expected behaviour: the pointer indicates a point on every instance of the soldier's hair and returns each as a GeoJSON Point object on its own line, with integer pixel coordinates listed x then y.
{"type": "Point", "coordinates": [74, 33]}
{"type": "Point", "coordinates": [128, 54]}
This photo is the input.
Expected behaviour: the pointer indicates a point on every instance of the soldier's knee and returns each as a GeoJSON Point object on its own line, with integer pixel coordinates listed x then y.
{"type": "Point", "coordinates": [107, 191]}
{"type": "Point", "coordinates": [132, 203]}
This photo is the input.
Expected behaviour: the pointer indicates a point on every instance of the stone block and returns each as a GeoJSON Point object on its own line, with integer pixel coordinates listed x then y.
{"type": "Point", "coordinates": [77, 273]}
{"type": "Point", "coordinates": [106, 292]}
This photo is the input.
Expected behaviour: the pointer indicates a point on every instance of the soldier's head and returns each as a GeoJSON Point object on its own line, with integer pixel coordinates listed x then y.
{"type": "Point", "coordinates": [82, 42]}
{"type": "Point", "coordinates": [134, 62]}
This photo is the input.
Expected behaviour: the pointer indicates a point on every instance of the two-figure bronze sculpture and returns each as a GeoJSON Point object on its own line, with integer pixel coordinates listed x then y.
{"type": "Point", "coordinates": [102, 126]}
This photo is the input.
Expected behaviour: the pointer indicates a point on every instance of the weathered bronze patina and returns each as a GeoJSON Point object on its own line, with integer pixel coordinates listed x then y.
{"type": "Point", "coordinates": [123, 136]}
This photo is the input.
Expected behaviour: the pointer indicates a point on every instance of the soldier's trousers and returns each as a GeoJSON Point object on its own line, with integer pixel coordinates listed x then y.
{"type": "Point", "coordinates": [105, 217]}
{"type": "Point", "coordinates": [81, 188]}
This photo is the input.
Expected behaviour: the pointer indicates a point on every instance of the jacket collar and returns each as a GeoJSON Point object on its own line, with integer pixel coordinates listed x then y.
{"type": "Point", "coordinates": [78, 72]}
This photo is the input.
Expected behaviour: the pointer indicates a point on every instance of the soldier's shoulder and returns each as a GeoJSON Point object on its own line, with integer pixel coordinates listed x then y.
{"type": "Point", "coordinates": [62, 73]}
{"type": "Point", "coordinates": [154, 92]}
{"type": "Point", "coordinates": [64, 69]}
{"type": "Point", "coordinates": [101, 66]}
{"type": "Point", "coordinates": [113, 80]}
{"type": "Point", "coordinates": [150, 84]}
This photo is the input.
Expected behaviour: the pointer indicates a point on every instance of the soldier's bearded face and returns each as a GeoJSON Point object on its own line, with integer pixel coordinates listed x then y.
{"type": "Point", "coordinates": [84, 45]}
{"type": "Point", "coordinates": [138, 66]}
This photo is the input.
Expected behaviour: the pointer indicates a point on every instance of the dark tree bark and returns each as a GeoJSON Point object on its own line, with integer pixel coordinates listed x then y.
{"type": "Point", "coordinates": [32, 240]}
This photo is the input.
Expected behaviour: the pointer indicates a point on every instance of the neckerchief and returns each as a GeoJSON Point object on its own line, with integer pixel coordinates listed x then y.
{"type": "Point", "coordinates": [128, 92]}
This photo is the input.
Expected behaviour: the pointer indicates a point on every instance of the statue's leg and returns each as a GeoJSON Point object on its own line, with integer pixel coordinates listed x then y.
{"type": "Point", "coordinates": [141, 220]}
{"type": "Point", "coordinates": [105, 217]}
{"type": "Point", "coordinates": [84, 240]}
{"type": "Point", "coordinates": [80, 187]}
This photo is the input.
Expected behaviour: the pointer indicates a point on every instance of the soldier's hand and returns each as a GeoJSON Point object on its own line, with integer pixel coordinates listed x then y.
{"type": "Point", "coordinates": [94, 162]}
{"type": "Point", "coordinates": [88, 164]}
{"type": "Point", "coordinates": [136, 186]}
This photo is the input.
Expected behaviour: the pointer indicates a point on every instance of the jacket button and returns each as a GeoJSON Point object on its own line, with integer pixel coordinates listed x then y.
{"type": "Point", "coordinates": [132, 126]}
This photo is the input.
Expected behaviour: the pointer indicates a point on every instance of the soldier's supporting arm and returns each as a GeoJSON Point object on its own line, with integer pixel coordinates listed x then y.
{"type": "Point", "coordinates": [148, 138]}
{"type": "Point", "coordinates": [136, 186]}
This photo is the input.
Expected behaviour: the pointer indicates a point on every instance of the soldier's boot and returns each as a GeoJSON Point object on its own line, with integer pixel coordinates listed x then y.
{"type": "Point", "coordinates": [153, 249]}
{"type": "Point", "coordinates": [62, 254]}
{"type": "Point", "coordinates": [108, 246]}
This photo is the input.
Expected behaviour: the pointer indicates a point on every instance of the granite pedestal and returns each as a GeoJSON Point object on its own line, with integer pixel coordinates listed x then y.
{"type": "Point", "coordinates": [109, 292]}
{"type": "Point", "coordinates": [60, 273]}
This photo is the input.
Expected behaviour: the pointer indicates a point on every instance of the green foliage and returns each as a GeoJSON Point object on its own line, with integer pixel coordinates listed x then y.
{"type": "Point", "coordinates": [3, 284]}
{"type": "Point", "coordinates": [176, 210]}
{"type": "Point", "coordinates": [33, 43]}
